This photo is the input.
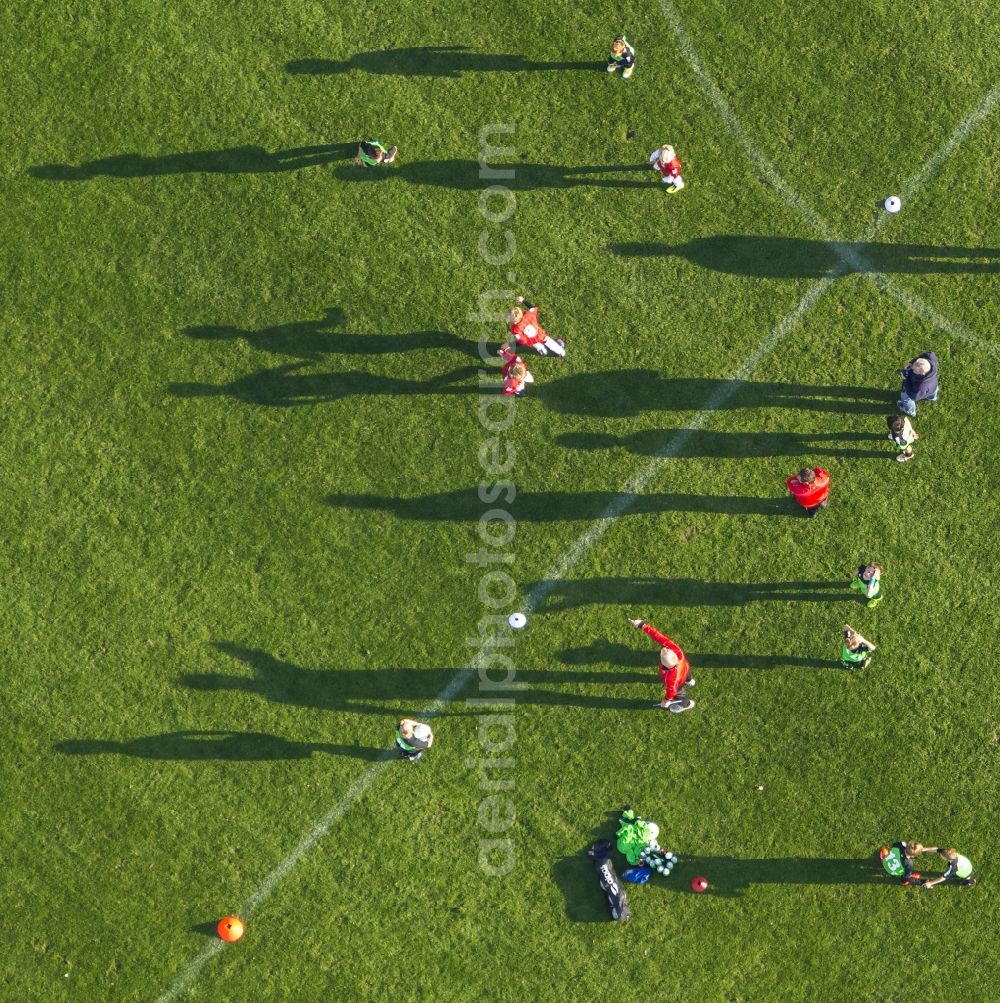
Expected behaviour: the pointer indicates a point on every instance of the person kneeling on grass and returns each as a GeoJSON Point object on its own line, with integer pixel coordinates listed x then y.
{"type": "Point", "coordinates": [810, 488]}
{"type": "Point", "coordinates": [855, 651]}
{"type": "Point", "coordinates": [523, 323]}
{"type": "Point", "coordinates": [902, 435]}
{"type": "Point", "coordinates": [413, 738]}
{"type": "Point", "coordinates": [515, 373]}
{"type": "Point", "coordinates": [959, 868]}
{"type": "Point", "coordinates": [868, 581]}
{"type": "Point", "coordinates": [675, 673]}
{"type": "Point", "coordinates": [664, 159]}
{"type": "Point", "coordinates": [621, 57]}
{"type": "Point", "coordinates": [371, 153]}
{"type": "Point", "coordinates": [897, 861]}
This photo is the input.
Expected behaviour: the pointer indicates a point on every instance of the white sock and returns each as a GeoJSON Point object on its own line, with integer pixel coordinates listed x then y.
{"type": "Point", "coordinates": [554, 346]}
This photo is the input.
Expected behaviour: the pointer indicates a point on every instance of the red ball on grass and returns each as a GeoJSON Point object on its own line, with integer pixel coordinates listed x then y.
{"type": "Point", "coordinates": [230, 929]}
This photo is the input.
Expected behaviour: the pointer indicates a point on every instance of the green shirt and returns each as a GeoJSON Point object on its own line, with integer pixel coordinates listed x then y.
{"type": "Point", "coordinates": [870, 588]}
{"type": "Point", "coordinates": [368, 150]}
{"type": "Point", "coordinates": [960, 868]}
{"type": "Point", "coordinates": [849, 655]}
{"type": "Point", "coordinates": [893, 863]}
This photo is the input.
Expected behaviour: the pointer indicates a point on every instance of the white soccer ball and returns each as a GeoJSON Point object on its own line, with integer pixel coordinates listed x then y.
{"type": "Point", "coordinates": [517, 620]}
{"type": "Point", "coordinates": [893, 204]}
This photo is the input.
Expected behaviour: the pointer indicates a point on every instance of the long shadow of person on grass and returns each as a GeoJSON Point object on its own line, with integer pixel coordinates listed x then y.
{"type": "Point", "coordinates": [563, 594]}
{"type": "Point", "coordinates": [237, 160]}
{"type": "Point", "coordinates": [729, 877]}
{"type": "Point", "coordinates": [465, 175]}
{"type": "Point", "coordinates": [630, 392]}
{"type": "Point", "coordinates": [377, 691]}
{"type": "Point", "coordinates": [559, 506]}
{"type": "Point", "coordinates": [285, 386]}
{"type": "Point", "coordinates": [434, 61]}
{"type": "Point", "coordinates": [311, 340]}
{"type": "Point", "coordinates": [611, 653]}
{"type": "Point", "coordinates": [800, 258]}
{"type": "Point", "coordinates": [732, 877]}
{"type": "Point", "coordinates": [683, 442]}
{"type": "Point", "coordinates": [386, 691]}
{"type": "Point", "coordinates": [235, 746]}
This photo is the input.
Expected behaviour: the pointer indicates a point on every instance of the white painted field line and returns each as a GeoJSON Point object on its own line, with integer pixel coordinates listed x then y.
{"type": "Point", "coordinates": [735, 126]}
{"type": "Point", "coordinates": [190, 972]}
{"type": "Point", "coordinates": [635, 487]}
{"type": "Point", "coordinates": [849, 255]}
{"type": "Point", "coordinates": [960, 331]}
{"type": "Point", "coordinates": [899, 292]}
{"type": "Point", "coordinates": [618, 506]}
{"type": "Point", "coordinates": [958, 136]}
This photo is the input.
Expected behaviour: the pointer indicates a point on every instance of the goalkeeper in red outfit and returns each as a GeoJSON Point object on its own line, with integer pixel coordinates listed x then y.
{"type": "Point", "coordinates": [523, 323]}
{"type": "Point", "coordinates": [675, 672]}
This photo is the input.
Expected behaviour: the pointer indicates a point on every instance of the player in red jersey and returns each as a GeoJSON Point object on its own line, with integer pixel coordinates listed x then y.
{"type": "Point", "coordinates": [524, 325]}
{"type": "Point", "coordinates": [675, 672]}
{"type": "Point", "coordinates": [515, 373]}
{"type": "Point", "coordinates": [810, 488]}
{"type": "Point", "coordinates": [664, 159]}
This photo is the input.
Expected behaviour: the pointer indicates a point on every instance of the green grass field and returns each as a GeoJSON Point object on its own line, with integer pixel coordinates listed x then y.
{"type": "Point", "coordinates": [243, 451]}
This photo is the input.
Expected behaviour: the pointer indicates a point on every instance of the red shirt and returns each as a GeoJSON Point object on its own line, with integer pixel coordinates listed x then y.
{"type": "Point", "coordinates": [511, 385]}
{"type": "Point", "coordinates": [527, 330]}
{"type": "Point", "coordinates": [672, 679]}
{"type": "Point", "coordinates": [810, 495]}
{"type": "Point", "coordinates": [670, 169]}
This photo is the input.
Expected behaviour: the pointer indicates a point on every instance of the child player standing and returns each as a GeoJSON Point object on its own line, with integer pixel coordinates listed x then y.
{"type": "Point", "coordinates": [902, 435]}
{"type": "Point", "coordinates": [515, 373]}
{"type": "Point", "coordinates": [371, 153]}
{"type": "Point", "coordinates": [413, 738]}
{"type": "Point", "coordinates": [621, 57]}
{"type": "Point", "coordinates": [523, 323]}
{"type": "Point", "coordinates": [868, 581]}
{"type": "Point", "coordinates": [856, 651]}
{"type": "Point", "coordinates": [675, 672]}
{"type": "Point", "coordinates": [664, 160]}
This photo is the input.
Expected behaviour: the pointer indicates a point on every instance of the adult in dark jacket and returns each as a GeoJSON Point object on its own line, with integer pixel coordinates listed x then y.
{"type": "Point", "coordinates": [920, 382]}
